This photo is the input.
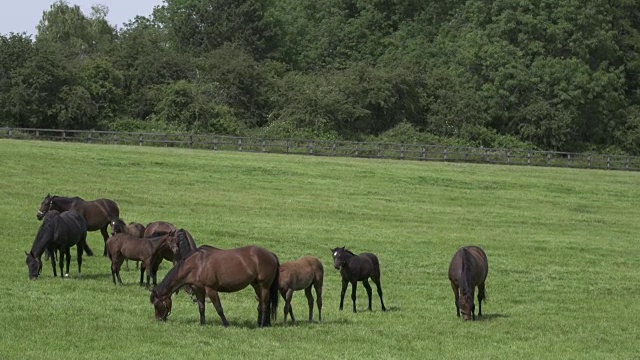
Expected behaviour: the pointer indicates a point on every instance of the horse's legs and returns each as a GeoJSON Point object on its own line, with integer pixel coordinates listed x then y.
{"type": "Point", "coordinates": [53, 263]}
{"type": "Point", "coordinates": [143, 267]}
{"type": "Point", "coordinates": [345, 283]}
{"type": "Point", "coordinates": [354, 286]}
{"type": "Point", "coordinates": [318, 286]}
{"type": "Point", "coordinates": [481, 296]}
{"type": "Point", "coordinates": [367, 287]}
{"type": "Point", "coordinates": [68, 253]}
{"type": "Point", "coordinates": [199, 294]}
{"type": "Point", "coordinates": [105, 236]}
{"type": "Point", "coordinates": [264, 311]}
{"type": "Point", "coordinates": [215, 299]}
{"type": "Point", "coordinates": [379, 287]}
{"type": "Point", "coordinates": [61, 260]}
{"type": "Point", "coordinates": [287, 306]}
{"type": "Point", "coordinates": [456, 294]}
{"type": "Point", "coordinates": [116, 262]}
{"type": "Point", "coordinates": [309, 295]}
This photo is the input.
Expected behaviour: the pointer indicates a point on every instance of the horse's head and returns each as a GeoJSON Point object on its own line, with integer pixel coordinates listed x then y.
{"type": "Point", "coordinates": [162, 306]}
{"type": "Point", "coordinates": [117, 226]}
{"type": "Point", "coordinates": [45, 206]}
{"type": "Point", "coordinates": [339, 257]}
{"type": "Point", "coordinates": [34, 264]}
{"type": "Point", "coordinates": [466, 305]}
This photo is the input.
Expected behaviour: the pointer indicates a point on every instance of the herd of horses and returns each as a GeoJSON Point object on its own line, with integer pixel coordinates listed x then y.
{"type": "Point", "coordinates": [205, 271]}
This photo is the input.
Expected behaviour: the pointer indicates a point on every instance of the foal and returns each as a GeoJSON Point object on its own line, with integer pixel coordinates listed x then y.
{"type": "Point", "coordinates": [468, 268]}
{"type": "Point", "coordinates": [122, 246]}
{"type": "Point", "coordinates": [304, 273]}
{"type": "Point", "coordinates": [134, 229]}
{"type": "Point", "coordinates": [354, 268]}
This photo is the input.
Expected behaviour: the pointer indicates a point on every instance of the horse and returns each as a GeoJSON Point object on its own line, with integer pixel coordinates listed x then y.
{"type": "Point", "coordinates": [354, 268]}
{"type": "Point", "coordinates": [158, 228]}
{"type": "Point", "coordinates": [122, 246]}
{"type": "Point", "coordinates": [59, 231]}
{"type": "Point", "coordinates": [468, 268]}
{"type": "Point", "coordinates": [97, 213]}
{"type": "Point", "coordinates": [134, 229]}
{"type": "Point", "coordinates": [210, 270]}
{"type": "Point", "coordinates": [304, 273]}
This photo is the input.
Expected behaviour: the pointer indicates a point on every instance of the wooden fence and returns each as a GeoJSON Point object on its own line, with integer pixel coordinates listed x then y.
{"type": "Point", "coordinates": [335, 148]}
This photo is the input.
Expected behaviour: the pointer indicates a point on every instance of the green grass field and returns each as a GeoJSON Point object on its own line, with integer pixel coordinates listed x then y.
{"type": "Point", "coordinates": [562, 244]}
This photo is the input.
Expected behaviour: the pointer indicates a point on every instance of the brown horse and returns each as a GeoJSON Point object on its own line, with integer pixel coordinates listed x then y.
{"type": "Point", "coordinates": [158, 228]}
{"type": "Point", "coordinates": [304, 273]}
{"type": "Point", "coordinates": [97, 213]}
{"type": "Point", "coordinates": [354, 268]}
{"type": "Point", "coordinates": [134, 229]}
{"type": "Point", "coordinates": [468, 269]}
{"type": "Point", "coordinates": [122, 246]}
{"type": "Point", "coordinates": [209, 270]}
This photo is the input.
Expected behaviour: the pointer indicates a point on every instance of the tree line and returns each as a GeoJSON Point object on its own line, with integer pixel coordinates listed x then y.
{"type": "Point", "coordinates": [546, 74]}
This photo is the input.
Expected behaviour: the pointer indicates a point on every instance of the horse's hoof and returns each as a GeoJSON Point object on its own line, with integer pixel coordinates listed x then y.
{"type": "Point", "coordinates": [66, 275]}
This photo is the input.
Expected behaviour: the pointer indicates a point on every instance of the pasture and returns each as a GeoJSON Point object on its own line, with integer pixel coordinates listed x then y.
{"type": "Point", "coordinates": [562, 246]}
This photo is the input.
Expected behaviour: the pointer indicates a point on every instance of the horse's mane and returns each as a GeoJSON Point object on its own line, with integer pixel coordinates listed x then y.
{"type": "Point", "coordinates": [46, 228]}
{"type": "Point", "coordinates": [349, 252]}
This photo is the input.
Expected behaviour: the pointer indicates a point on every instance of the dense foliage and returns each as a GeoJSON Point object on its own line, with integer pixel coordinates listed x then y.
{"type": "Point", "coordinates": [557, 75]}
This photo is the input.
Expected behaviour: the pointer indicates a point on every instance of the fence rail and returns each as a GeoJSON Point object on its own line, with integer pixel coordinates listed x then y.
{"type": "Point", "coordinates": [335, 148]}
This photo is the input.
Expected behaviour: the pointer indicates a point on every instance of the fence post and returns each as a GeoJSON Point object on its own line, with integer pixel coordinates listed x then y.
{"type": "Point", "coordinates": [424, 153]}
{"type": "Point", "coordinates": [508, 157]}
{"type": "Point", "coordinates": [287, 142]}
{"type": "Point", "coordinates": [356, 149]}
{"type": "Point", "coordinates": [548, 158]}
{"type": "Point", "coordinates": [115, 138]}
{"type": "Point", "coordinates": [379, 150]}
{"type": "Point", "coordinates": [37, 133]}
{"type": "Point", "coordinates": [608, 162]}
{"type": "Point", "coordinates": [486, 156]}
{"type": "Point", "coordinates": [310, 147]}
{"type": "Point", "coordinates": [89, 138]}
{"type": "Point", "coordinates": [589, 161]}
{"type": "Point", "coordinates": [626, 165]}
{"type": "Point", "coordinates": [333, 146]}
{"type": "Point", "coordinates": [190, 141]}
{"type": "Point", "coordinates": [568, 160]}
{"type": "Point", "coordinates": [140, 140]}
{"type": "Point", "coordinates": [64, 135]}
{"type": "Point", "coordinates": [264, 146]}
{"type": "Point", "coordinates": [10, 133]}
{"type": "Point", "coordinates": [215, 143]}
{"type": "Point", "coordinates": [445, 154]}
{"type": "Point", "coordinates": [240, 144]}
{"type": "Point", "coordinates": [402, 152]}
{"type": "Point", "coordinates": [164, 139]}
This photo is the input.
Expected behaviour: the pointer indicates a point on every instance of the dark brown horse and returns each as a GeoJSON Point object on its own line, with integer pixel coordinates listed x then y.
{"type": "Point", "coordinates": [303, 274]}
{"type": "Point", "coordinates": [97, 213]}
{"type": "Point", "coordinates": [354, 268]}
{"type": "Point", "coordinates": [209, 270]}
{"type": "Point", "coordinates": [59, 231]}
{"type": "Point", "coordinates": [122, 246]}
{"type": "Point", "coordinates": [468, 269]}
{"type": "Point", "coordinates": [133, 229]}
{"type": "Point", "coordinates": [158, 228]}
{"type": "Point", "coordinates": [186, 245]}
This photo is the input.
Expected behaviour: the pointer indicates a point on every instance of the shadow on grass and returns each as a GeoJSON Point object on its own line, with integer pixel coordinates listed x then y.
{"type": "Point", "coordinates": [96, 277]}
{"type": "Point", "coordinates": [491, 317]}
{"type": "Point", "coordinates": [249, 324]}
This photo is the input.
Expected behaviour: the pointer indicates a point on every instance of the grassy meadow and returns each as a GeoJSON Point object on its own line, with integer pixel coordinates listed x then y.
{"type": "Point", "coordinates": [564, 264]}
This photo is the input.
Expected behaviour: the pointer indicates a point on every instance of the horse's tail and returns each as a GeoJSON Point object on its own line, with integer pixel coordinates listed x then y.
{"type": "Point", "coordinates": [87, 249]}
{"type": "Point", "coordinates": [274, 295]}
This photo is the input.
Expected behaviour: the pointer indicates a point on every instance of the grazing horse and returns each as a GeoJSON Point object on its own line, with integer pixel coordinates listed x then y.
{"type": "Point", "coordinates": [354, 268]}
{"type": "Point", "coordinates": [304, 273]}
{"type": "Point", "coordinates": [59, 231]}
{"type": "Point", "coordinates": [209, 270]}
{"type": "Point", "coordinates": [122, 246]}
{"type": "Point", "coordinates": [468, 268]}
{"type": "Point", "coordinates": [97, 213]}
{"type": "Point", "coordinates": [133, 229]}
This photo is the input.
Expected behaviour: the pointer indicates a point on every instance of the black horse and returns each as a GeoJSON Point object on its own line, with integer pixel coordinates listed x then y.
{"type": "Point", "coordinates": [468, 268]}
{"type": "Point", "coordinates": [354, 268]}
{"type": "Point", "coordinates": [98, 214]}
{"type": "Point", "coordinates": [59, 231]}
